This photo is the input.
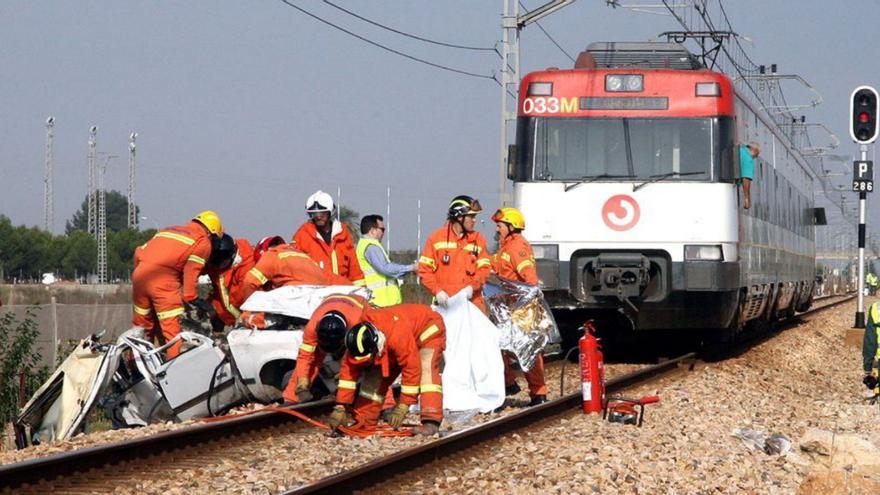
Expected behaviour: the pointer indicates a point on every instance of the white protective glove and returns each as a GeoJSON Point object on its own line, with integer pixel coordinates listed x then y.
{"type": "Point", "coordinates": [442, 299]}
{"type": "Point", "coordinates": [468, 292]}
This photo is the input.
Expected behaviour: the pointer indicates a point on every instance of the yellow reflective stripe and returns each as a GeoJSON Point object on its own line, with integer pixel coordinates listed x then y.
{"type": "Point", "coordinates": [362, 358]}
{"type": "Point", "coordinates": [335, 263]}
{"type": "Point", "coordinates": [225, 295]}
{"type": "Point", "coordinates": [347, 384]}
{"type": "Point", "coordinates": [429, 387]}
{"type": "Point", "coordinates": [258, 275]}
{"type": "Point", "coordinates": [171, 313]}
{"type": "Point", "coordinates": [428, 261]}
{"type": "Point", "coordinates": [360, 338]}
{"type": "Point", "coordinates": [473, 248]}
{"type": "Point", "coordinates": [483, 262]}
{"type": "Point", "coordinates": [359, 283]}
{"type": "Point", "coordinates": [505, 256]}
{"type": "Point", "coordinates": [290, 254]}
{"type": "Point", "coordinates": [524, 264]}
{"type": "Point", "coordinates": [196, 259]}
{"type": "Point", "coordinates": [409, 389]}
{"type": "Point", "coordinates": [371, 396]}
{"type": "Point", "coordinates": [141, 311]}
{"type": "Point", "coordinates": [307, 347]}
{"type": "Point", "coordinates": [445, 245]}
{"type": "Point", "coordinates": [177, 237]}
{"type": "Point", "coordinates": [428, 333]}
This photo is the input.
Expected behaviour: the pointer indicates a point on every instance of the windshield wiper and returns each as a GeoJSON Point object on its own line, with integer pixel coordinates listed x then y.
{"type": "Point", "coordinates": [656, 178]}
{"type": "Point", "coordinates": [592, 178]}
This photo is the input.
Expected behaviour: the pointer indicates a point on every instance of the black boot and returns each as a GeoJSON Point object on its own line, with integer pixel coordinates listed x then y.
{"type": "Point", "coordinates": [538, 399]}
{"type": "Point", "coordinates": [512, 389]}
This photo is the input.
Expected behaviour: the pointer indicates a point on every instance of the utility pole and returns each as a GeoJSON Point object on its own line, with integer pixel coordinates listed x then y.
{"type": "Point", "coordinates": [92, 222]}
{"type": "Point", "coordinates": [511, 25]}
{"type": "Point", "coordinates": [132, 178]}
{"type": "Point", "coordinates": [100, 172]}
{"type": "Point", "coordinates": [48, 185]}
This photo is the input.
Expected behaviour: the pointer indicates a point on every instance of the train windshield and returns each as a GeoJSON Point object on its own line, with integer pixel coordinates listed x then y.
{"type": "Point", "coordinates": [565, 149]}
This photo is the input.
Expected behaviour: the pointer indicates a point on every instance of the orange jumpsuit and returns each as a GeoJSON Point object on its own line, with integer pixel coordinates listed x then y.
{"type": "Point", "coordinates": [337, 258]}
{"type": "Point", "coordinates": [310, 356]}
{"type": "Point", "coordinates": [167, 269]}
{"type": "Point", "coordinates": [467, 263]}
{"type": "Point", "coordinates": [403, 356]}
{"type": "Point", "coordinates": [516, 261]}
{"type": "Point", "coordinates": [280, 266]}
{"type": "Point", "coordinates": [227, 296]}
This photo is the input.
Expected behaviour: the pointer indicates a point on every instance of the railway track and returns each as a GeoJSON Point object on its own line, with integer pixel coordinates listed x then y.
{"type": "Point", "coordinates": [386, 468]}
{"type": "Point", "coordinates": [28, 474]}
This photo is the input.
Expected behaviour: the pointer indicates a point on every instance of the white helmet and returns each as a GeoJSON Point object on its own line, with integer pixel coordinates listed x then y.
{"type": "Point", "coordinates": [320, 201]}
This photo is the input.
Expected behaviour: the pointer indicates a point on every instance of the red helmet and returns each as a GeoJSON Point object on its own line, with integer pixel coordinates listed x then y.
{"type": "Point", "coordinates": [266, 243]}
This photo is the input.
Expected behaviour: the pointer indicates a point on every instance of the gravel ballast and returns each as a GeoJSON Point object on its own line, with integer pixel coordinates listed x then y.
{"type": "Point", "coordinates": [803, 378]}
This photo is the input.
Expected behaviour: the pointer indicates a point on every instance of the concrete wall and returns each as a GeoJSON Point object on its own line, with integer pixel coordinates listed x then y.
{"type": "Point", "coordinates": [59, 323]}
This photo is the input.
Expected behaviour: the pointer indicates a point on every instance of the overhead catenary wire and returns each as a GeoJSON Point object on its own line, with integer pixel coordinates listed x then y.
{"type": "Point", "coordinates": [389, 49]}
{"type": "Point", "coordinates": [409, 35]}
{"type": "Point", "coordinates": [548, 35]}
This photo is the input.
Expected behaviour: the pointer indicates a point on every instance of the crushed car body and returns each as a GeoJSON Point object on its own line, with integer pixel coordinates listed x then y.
{"type": "Point", "coordinates": [135, 386]}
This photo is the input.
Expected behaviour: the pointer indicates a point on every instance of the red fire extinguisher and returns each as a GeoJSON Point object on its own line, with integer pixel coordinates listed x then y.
{"type": "Point", "coordinates": [592, 371]}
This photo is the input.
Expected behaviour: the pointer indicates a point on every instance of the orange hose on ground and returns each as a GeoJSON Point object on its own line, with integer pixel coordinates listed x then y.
{"type": "Point", "coordinates": [357, 430]}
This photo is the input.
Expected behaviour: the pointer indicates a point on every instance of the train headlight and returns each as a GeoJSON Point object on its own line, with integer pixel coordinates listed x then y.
{"type": "Point", "coordinates": [696, 252]}
{"type": "Point", "coordinates": [546, 251]}
{"type": "Point", "coordinates": [708, 89]}
{"type": "Point", "coordinates": [541, 89]}
{"type": "Point", "coordinates": [630, 83]}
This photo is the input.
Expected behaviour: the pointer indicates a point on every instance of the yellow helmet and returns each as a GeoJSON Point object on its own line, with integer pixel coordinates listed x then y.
{"type": "Point", "coordinates": [510, 216]}
{"type": "Point", "coordinates": [211, 221]}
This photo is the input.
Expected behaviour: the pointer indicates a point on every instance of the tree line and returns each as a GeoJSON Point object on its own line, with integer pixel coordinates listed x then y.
{"type": "Point", "coordinates": [28, 252]}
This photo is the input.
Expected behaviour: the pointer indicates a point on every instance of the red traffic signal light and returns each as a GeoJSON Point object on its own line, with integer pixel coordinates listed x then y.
{"type": "Point", "coordinates": [864, 108]}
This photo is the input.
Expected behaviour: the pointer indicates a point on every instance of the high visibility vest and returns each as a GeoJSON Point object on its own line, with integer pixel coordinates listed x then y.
{"type": "Point", "coordinates": [384, 290]}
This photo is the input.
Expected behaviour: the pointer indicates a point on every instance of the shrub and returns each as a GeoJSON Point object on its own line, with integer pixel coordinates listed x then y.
{"type": "Point", "coordinates": [18, 356]}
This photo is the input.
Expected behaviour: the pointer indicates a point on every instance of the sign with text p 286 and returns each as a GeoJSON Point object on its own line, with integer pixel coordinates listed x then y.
{"type": "Point", "coordinates": [863, 176]}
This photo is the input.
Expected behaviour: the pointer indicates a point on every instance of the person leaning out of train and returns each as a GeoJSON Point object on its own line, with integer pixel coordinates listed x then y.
{"type": "Point", "coordinates": [747, 155]}
{"type": "Point", "coordinates": [516, 261]}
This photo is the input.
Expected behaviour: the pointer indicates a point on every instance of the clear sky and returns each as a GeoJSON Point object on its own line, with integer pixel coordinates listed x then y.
{"type": "Point", "coordinates": [248, 107]}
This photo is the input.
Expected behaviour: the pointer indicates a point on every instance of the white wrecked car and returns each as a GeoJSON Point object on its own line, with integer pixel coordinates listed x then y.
{"type": "Point", "coordinates": [135, 386]}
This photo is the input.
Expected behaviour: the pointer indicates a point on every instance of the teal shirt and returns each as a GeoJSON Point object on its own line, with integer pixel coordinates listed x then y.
{"type": "Point", "coordinates": [746, 163]}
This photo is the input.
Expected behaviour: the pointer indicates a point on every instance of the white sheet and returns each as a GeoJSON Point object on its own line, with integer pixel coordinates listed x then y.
{"type": "Point", "coordinates": [474, 374]}
{"type": "Point", "coordinates": [298, 301]}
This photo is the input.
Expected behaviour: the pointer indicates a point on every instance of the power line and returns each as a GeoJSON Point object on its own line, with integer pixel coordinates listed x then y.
{"type": "Point", "coordinates": [388, 49]}
{"type": "Point", "coordinates": [408, 35]}
{"type": "Point", "coordinates": [736, 38]}
{"type": "Point", "coordinates": [548, 35]}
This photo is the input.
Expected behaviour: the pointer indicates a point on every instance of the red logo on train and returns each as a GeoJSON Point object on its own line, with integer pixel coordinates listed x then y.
{"type": "Point", "coordinates": [621, 212]}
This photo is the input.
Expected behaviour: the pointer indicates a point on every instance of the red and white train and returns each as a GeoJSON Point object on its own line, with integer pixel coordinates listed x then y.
{"type": "Point", "coordinates": [627, 170]}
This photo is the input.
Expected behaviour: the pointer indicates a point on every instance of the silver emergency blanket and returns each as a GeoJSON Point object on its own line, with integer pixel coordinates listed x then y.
{"type": "Point", "coordinates": [524, 318]}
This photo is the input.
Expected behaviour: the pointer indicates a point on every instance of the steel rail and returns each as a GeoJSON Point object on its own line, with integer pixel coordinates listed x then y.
{"type": "Point", "coordinates": [384, 468]}
{"type": "Point", "coordinates": [66, 464]}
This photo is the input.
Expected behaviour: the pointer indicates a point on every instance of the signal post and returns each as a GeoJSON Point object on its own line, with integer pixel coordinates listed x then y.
{"type": "Point", "coordinates": [864, 108]}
